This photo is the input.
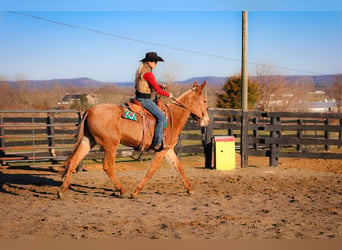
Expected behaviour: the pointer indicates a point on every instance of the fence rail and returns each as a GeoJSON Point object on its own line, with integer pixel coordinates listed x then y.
{"type": "Point", "coordinates": [33, 136]}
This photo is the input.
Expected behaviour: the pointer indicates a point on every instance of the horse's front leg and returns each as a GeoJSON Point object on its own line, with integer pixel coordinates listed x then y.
{"type": "Point", "coordinates": [108, 167]}
{"type": "Point", "coordinates": [158, 157]}
{"type": "Point", "coordinates": [174, 161]}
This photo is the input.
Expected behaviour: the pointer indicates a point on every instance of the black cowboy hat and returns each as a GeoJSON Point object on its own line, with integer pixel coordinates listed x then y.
{"type": "Point", "coordinates": [152, 57]}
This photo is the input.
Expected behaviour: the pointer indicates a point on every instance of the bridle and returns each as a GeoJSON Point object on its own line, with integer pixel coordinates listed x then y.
{"type": "Point", "coordinates": [178, 103]}
{"type": "Point", "coordinates": [193, 115]}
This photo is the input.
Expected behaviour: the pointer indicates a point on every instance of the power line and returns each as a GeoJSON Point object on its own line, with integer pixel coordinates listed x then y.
{"type": "Point", "coordinates": [155, 44]}
{"type": "Point", "coordinates": [121, 37]}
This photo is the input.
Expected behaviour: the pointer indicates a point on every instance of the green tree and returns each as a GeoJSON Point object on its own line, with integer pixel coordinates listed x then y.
{"type": "Point", "coordinates": [230, 97]}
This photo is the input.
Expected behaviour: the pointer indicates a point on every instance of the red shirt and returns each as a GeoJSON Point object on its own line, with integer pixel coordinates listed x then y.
{"type": "Point", "coordinates": [149, 77]}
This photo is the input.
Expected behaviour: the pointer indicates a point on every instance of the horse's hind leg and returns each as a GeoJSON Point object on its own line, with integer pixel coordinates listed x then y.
{"type": "Point", "coordinates": [75, 159]}
{"type": "Point", "coordinates": [108, 167]}
{"type": "Point", "coordinates": [174, 161]}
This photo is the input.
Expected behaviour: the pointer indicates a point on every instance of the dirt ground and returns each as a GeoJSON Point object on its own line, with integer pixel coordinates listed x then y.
{"type": "Point", "coordinates": [300, 199]}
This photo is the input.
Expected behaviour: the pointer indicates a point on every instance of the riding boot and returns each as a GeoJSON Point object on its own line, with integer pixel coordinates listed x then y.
{"type": "Point", "coordinates": [158, 147]}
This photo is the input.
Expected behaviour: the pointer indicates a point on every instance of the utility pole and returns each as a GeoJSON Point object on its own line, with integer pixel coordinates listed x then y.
{"type": "Point", "coordinates": [244, 89]}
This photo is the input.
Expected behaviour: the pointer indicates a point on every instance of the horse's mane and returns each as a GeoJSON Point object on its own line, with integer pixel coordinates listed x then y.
{"type": "Point", "coordinates": [183, 96]}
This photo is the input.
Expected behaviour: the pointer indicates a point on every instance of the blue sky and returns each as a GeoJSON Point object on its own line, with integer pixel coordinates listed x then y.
{"type": "Point", "coordinates": [106, 40]}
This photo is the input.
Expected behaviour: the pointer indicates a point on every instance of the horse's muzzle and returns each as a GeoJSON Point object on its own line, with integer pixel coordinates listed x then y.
{"type": "Point", "coordinates": [204, 121]}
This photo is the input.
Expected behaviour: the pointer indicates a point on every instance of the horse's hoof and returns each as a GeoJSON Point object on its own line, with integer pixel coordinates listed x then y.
{"type": "Point", "coordinates": [191, 192]}
{"type": "Point", "coordinates": [122, 195]}
{"type": "Point", "coordinates": [133, 196]}
{"type": "Point", "coordinates": [117, 195]}
{"type": "Point", "coordinates": [60, 195]}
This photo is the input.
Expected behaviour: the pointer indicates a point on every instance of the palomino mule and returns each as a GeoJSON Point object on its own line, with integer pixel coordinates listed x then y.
{"type": "Point", "coordinates": [103, 125]}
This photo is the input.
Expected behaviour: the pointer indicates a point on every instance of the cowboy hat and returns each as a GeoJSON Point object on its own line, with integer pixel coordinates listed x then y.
{"type": "Point", "coordinates": [152, 57]}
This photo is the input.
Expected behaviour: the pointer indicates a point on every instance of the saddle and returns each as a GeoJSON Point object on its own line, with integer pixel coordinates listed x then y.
{"type": "Point", "coordinates": [134, 111]}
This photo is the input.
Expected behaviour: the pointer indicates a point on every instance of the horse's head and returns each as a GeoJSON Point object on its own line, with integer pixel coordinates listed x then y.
{"type": "Point", "coordinates": [199, 107]}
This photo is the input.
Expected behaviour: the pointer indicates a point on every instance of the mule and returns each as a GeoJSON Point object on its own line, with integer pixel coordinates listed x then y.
{"type": "Point", "coordinates": [104, 125]}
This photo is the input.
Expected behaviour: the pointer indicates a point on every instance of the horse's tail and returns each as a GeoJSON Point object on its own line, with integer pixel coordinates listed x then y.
{"type": "Point", "coordinates": [76, 146]}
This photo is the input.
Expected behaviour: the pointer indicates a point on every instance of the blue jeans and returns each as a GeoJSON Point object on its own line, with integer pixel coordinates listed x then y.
{"type": "Point", "coordinates": [158, 114]}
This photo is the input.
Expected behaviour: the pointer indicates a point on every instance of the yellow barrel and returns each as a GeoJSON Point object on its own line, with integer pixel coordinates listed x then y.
{"type": "Point", "coordinates": [224, 152]}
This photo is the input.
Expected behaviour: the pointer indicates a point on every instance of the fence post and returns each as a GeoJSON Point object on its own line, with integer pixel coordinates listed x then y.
{"type": "Point", "coordinates": [207, 143]}
{"type": "Point", "coordinates": [178, 148]}
{"type": "Point", "coordinates": [274, 148]}
{"type": "Point", "coordinates": [340, 134]}
{"type": "Point", "coordinates": [230, 131]}
{"type": "Point", "coordinates": [2, 139]}
{"type": "Point", "coordinates": [299, 134]}
{"type": "Point", "coordinates": [256, 132]}
{"type": "Point", "coordinates": [51, 136]}
{"type": "Point", "coordinates": [327, 134]}
{"type": "Point", "coordinates": [244, 139]}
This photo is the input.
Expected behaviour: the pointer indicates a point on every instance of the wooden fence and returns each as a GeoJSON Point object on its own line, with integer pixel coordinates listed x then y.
{"type": "Point", "coordinates": [33, 136]}
{"type": "Point", "coordinates": [49, 135]}
{"type": "Point", "coordinates": [279, 134]}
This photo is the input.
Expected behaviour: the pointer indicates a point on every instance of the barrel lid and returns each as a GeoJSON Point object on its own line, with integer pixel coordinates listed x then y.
{"type": "Point", "coordinates": [224, 138]}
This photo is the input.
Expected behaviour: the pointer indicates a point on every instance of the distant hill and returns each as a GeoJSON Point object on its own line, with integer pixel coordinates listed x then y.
{"type": "Point", "coordinates": [79, 82]}
{"type": "Point", "coordinates": [319, 80]}
{"type": "Point", "coordinates": [74, 82]}
{"type": "Point", "coordinates": [213, 80]}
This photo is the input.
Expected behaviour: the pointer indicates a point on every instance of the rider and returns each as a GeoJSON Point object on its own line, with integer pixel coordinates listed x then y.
{"type": "Point", "coordinates": [145, 83]}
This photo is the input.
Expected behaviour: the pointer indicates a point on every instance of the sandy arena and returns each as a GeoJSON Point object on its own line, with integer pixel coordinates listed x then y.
{"type": "Point", "coordinates": [300, 199]}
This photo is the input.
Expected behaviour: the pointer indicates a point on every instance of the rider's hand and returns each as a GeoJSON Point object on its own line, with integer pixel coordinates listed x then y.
{"type": "Point", "coordinates": [171, 96]}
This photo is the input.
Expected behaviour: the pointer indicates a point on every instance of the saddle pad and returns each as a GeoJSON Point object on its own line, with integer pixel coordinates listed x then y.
{"type": "Point", "coordinates": [130, 115]}
{"type": "Point", "coordinates": [166, 122]}
{"type": "Point", "coordinates": [135, 112]}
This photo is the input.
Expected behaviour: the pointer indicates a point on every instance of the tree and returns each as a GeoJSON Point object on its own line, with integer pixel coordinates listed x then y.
{"type": "Point", "coordinates": [7, 95]}
{"type": "Point", "coordinates": [271, 85]}
{"type": "Point", "coordinates": [301, 97]}
{"type": "Point", "coordinates": [82, 104]}
{"type": "Point", "coordinates": [336, 93]}
{"type": "Point", "coordinates": [231, 94]}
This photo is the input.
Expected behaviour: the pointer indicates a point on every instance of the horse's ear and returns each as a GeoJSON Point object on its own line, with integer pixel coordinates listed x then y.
{"type": "Point", "coordinates": [202, 86]}
{"type": "Point", "coordinates": [195, 85]}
